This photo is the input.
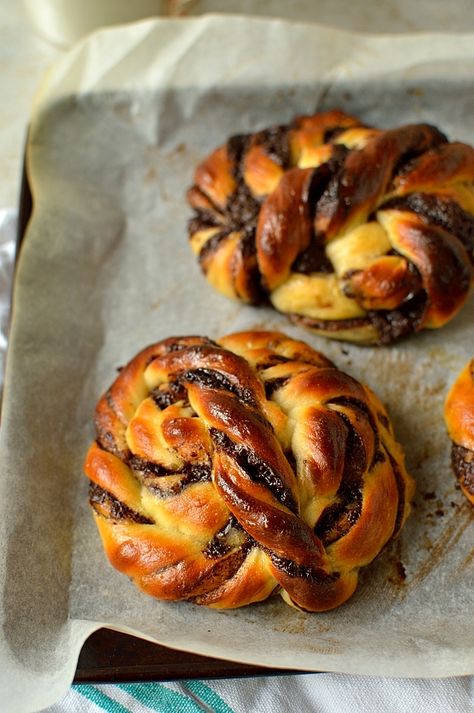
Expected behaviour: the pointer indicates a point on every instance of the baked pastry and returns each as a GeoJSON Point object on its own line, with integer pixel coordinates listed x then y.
{"type": "Point", "coordinates": [360, 234]}
{"type": "Point", "coordinates": [459, 418]}
{"type": "Point", "coordinates": [223, 471]}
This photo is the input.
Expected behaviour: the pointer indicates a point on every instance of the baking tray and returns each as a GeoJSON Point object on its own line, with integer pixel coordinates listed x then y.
{"type": "Point", "coordinates": [317, 643]}
{"type": "Point", "coordinates": [109, 656]}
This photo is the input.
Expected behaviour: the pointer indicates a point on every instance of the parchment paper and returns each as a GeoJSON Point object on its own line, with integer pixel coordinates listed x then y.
{"type": "Point", "coordinates": [105, 269]}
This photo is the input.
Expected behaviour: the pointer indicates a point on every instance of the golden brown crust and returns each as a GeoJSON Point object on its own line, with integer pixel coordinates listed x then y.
{"type": "Point", "coordinates": [361, 234]}
{"type": "Point", "coordinates": [223, 471]}
{"type": "Point", "coordinates": [459, 418]}
{"type": "Point", "coordinates": [284, 227]}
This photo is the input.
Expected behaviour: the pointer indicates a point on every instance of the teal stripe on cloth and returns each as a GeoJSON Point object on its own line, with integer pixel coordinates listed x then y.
{"type": "Point", "coordinates": [100, 699]}
{"type": "Point", "coordinates": [160, 698]}
{"type": "Point", "coordinates": [209, 696]}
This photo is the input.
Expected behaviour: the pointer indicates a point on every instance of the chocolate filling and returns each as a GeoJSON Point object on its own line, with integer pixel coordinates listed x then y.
{"type": "Point", "coordinates": [354, 403]}
{"type": "Point", "coordinates": [203, 219]}
{"type": "Point", "coordinates": [401, 495]}
{"type": "Point", "coordinates": [331, 134]}
{"type": "Point", "coordinates": [257, 470]}
{"type": "Point", "coordinates": [153, 475]}
{"type": "Point", "coordinates": [237, 146]}
{"type": "Point", "coordinates": [107, 505]}
{"type": "Point", "coordinates": [355, 462]}
{"type": "Point", "coordinates": [273, 140]}
{"type": "Point", "coordinates": [311, 574]}
{"type": "Point", "coordinates": [390, 325]}
{"type": "Point", "coordinates": [433, 138]}
{"type": "Point", "coordinates": [107, 441]}
{"type": "Point", "coordinates": [216, 380]}
{"type": "Point", "coordinates": [429, 138]}
{"type": "Point", "coordinates": [219, 545]}
{"type": "Point", "coordinates": [242, 209]}
{"type": "Point", "coordinates": [337, 519]}
{"type": "Point", "coordinates": [240, 216]}
{"type": "Point", "coordinates": [394, 324]}
{"type": "Point", "coordinates": [441, 211]}
{"type": "Point", "coordinates": [168, 394]}
{"type": "Point", "coordinates": [180, 344]}
{"type": "Point", "coordinates": [273, 385]}
{"type": "Point", "coordinates": [331, 325]}
{"type": "Point", "coordinates": [201, 347]}
{"type": "Point", "coordinates": [275, 143]}
{"type": "Point", "coordinates": [463, 465]}
{"type": "Point", "coordinates": [272, 360]}
{"type": "Point", "coordinates": [211, 246]}
{"type": "Point", "coordinates": [207, 588]}
{"type": "Point", "coordinates": [313, 258]}
{"type": "Point", "coordinates": [248, 247]}
{"type": "Point", "coordinates": [247, 254]}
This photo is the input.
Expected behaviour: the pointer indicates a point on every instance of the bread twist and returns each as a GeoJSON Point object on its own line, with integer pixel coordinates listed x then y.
{"type": "Point", "coordinates": [459, 418]}
{"type": "Point", "coordinates": [360, 234]}
{"type": "Point", "coordinates": [223, 471]}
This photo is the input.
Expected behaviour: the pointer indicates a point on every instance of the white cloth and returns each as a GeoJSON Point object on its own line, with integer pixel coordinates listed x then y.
{"type": "Point", "coordinates": [321, 693]}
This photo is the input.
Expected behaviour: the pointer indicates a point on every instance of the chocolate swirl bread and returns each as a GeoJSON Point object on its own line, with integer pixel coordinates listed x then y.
{"type": "Point", "coordinates": [225, 471]}
{"type": "Point", "coordinates": [459, 418]}
{"type": "Point", "coordinates": [360, 234]}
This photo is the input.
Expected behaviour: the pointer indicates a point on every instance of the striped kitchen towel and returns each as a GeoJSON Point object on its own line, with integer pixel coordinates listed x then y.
{"type": "Point", "coordinates": [321, 693]}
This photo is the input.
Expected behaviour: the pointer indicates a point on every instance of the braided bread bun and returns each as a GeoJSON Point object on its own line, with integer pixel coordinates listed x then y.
{"type": "Point", "coordinates": [359, 234]}
{"type": "Point", "coordinates": [459, 418]}
{"type": "Point", "coordinates": [224, 471]}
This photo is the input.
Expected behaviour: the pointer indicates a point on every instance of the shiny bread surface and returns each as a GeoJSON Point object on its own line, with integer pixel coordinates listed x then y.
{"type": "Point", "coordinates": [357, 233]}
{"type": "Point", "coordinates": [224, 471]}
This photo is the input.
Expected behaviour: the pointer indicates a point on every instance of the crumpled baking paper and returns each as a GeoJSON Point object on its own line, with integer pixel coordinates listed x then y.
{"type": "Point", "coordinates": [105, 269]}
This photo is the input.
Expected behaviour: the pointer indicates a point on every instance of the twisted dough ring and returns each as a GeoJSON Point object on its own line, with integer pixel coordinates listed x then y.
{"type": "Point", "coordinates": [359, 234]}
{"type": "Point", "coordinates": [459, 418]}
{"type": "Point", "coordinates": [223, 471]}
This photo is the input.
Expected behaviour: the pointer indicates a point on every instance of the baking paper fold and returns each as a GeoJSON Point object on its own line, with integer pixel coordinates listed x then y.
{"type": "Point", "coordinates": [105, 269]}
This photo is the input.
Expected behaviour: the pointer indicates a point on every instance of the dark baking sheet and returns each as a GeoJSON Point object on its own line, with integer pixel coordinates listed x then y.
{"type": "Point", "coordinates": [109, 656]}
